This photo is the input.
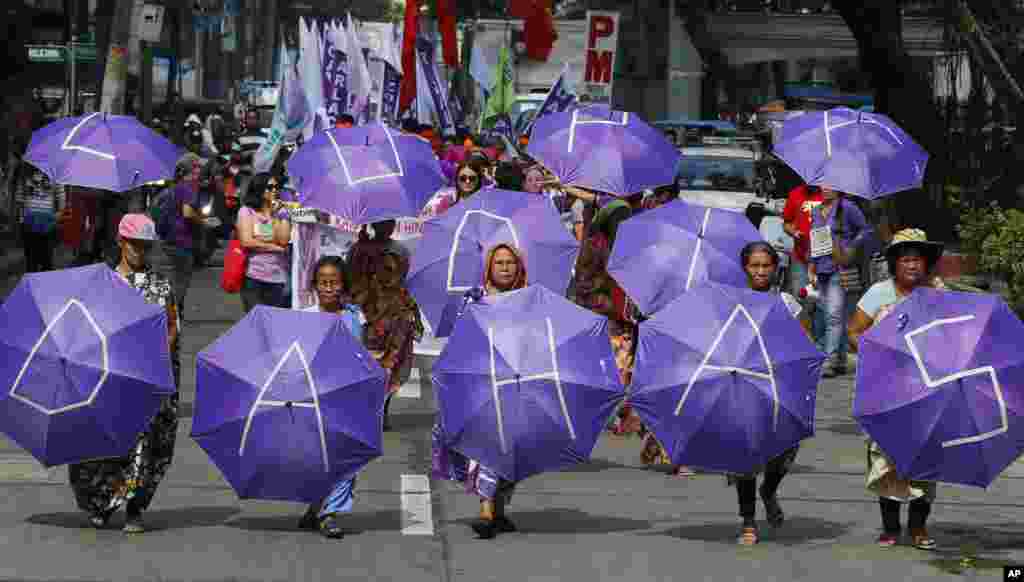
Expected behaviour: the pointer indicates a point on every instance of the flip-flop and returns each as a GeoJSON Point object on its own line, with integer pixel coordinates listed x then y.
{"type": "Point", "coordinates": [748, 537]}
{"type": "Point", "coordinates": [330, 529]}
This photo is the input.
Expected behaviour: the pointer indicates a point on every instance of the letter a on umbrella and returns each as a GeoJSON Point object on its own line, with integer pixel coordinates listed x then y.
{"type": "Point", "coordinates": [288, 403]}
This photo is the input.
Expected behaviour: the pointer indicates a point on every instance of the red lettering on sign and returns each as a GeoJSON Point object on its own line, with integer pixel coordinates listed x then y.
{"type": "Point", "coordinates": [599, 67]}
{"type": "Point", "coordinates": [600, 27]}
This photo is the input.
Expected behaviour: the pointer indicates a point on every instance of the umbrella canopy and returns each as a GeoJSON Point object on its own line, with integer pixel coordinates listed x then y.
{"type": "Point", "coordinates": [83, 363]}
{"type": "Point", "coordinates": [726, 378]}
{"type": "Point", "coordinates": [662, 253]}
{"type": "Point", "coordinates": [940, 386]}
{"type": "Point", "coordinates": [108, 152]}
{"type": "Point", "coordinates": [603, 149]}
{"type": "Point", "coordinates": [288, 403]}
{"type": "Point", "coordinates": [366, 174]}
{"type": "Point", "coordinates": [527, 382]}
{"type": "Point", "coordinates": [864, 154]}
{"type": "Point", "coordinates": [449, 260]}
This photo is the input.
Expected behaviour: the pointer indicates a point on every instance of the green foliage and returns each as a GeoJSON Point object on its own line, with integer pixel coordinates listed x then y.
{"type": "Point", "coordinates": [996, 237]}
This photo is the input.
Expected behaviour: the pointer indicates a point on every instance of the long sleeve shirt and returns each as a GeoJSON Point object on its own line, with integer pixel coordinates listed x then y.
{"type": "Point", "coordinates": [849, 233]}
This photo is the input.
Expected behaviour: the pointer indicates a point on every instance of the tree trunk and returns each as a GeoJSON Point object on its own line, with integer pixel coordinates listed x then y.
{"type": "Point", "coordinates": [904, 94]}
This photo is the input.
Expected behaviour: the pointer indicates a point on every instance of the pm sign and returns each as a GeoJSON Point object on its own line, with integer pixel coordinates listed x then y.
{"type": "Point", "coordinates": [602, 42]}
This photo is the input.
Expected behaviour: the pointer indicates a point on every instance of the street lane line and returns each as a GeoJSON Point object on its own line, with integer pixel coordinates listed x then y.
{"type": "Point", "coordinates": [417, 516]}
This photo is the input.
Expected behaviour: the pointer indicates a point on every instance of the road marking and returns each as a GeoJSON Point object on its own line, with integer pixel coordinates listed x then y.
{"type": "Point", "coordinates": [417, 516]}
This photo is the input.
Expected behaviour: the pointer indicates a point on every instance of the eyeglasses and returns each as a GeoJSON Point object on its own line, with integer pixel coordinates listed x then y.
{"type": "Point", "coordinates": [273, 187]}
{"type": "Point", "coordinates": [469, 178]}
{"type": "Point", "coordinates": [328, 285]}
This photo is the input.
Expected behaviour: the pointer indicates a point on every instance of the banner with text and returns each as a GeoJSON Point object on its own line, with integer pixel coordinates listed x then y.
{"type": "Point", "coordinates": [602, 42]}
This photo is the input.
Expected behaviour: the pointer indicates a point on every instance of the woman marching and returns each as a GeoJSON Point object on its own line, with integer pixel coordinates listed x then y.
{"type": "Point", "coordinates": [912, 258]}
{"type": "Point", "coordinates": [393, 320]}
{"type": "Point", "coordinates": [332, 287]}
{"type": "Point", "coordinates": [761, 261]}
{"type": "Point", "coordinates": [104, 486]}
{"type": "Point", "coordinates": [504, 270]}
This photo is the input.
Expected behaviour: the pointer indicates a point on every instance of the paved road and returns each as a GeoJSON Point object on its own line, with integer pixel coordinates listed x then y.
{"type": "Point", "coordinates": [606, 520]}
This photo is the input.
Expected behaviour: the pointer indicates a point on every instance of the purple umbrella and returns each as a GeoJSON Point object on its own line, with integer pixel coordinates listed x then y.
{"type": "Point", "coordinates": [288, 403]}
{"type": "Point", "coordinates": [864, 154]}
{"type": "Point", "coordinates": [726, 378]}
{"type": "Point", "coordinates": [108, 152]}
{"type": "Point", "coordinates": [449, 260]}
{"type": "Point", "coordinates": [662, 253]}
{"type": "Point", "coordinates": [527, 382]}
{"type": "Point", "coordinates": [603, 149]}
{"type": "Point", "coordinates": [366, 174]}
{"type": "Point", "coordinates": [940, 389]}
{"type": "Point", "coordinates": [84, 364]}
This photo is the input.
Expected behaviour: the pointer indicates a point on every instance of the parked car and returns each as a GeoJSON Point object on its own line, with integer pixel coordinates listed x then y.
{"type": "Point", "coordinates": [729, 178]}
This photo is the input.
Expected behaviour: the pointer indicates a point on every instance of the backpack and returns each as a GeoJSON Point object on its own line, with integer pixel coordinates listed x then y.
{"type": "Point", "coordinates": [164, 214]}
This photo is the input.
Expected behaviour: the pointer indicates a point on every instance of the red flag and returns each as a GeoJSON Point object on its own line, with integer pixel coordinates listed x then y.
{"type": "Point", "coordinates": [539, 31]}
{"type": "Point", "coordinates": [446, 24]}
{"type": "Point", "coordinates": [407, 90]}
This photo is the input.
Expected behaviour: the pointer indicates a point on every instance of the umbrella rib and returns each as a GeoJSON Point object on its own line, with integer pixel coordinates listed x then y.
{"type": "Point", "coordinates": [494, 390]}
{"type": "Point", "coordinates": [696, 250]}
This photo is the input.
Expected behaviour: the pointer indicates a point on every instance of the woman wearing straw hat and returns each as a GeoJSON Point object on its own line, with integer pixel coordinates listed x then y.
{"type": "Point", "coordinates": [911, 258]}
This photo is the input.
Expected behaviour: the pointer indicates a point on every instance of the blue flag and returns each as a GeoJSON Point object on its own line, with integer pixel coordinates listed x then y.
{"type": "Point", "coordinates": [425, 53]}
{"type": "Point", "coordinates": [559, 97]}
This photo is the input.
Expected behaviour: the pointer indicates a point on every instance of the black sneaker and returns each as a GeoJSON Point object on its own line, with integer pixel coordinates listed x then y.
{"type": "Point", "coordinates": [485, 528]}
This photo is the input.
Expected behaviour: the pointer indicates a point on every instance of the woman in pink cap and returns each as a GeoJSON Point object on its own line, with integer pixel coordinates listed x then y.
{"type": "Point", "coordinates": [104, 486]}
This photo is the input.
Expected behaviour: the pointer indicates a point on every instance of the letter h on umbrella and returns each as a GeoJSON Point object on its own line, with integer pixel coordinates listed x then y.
{"type": "Point", "coordinates": [553, 375]}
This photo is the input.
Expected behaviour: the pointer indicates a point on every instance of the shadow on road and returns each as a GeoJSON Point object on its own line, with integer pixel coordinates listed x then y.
{"type": "Point", "coordinates": [596, 466]}
{"type": "Point", "coordinates": [563, 521]}
{"type": "Point", "coordinates": [156, 520]}
{"type": "Point", "coordinates": [796, 531]}
{"type": "Point", "coordinates": [351, 523]}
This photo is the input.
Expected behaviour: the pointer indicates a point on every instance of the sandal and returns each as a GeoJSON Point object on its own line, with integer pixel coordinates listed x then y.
{"type": "Point", "coordinates": [683, 471]}
{"type": "Point", "coordinates": [921, 540]}
{"type": "Point", "coordinates": [748, 536]}
{"type": "Point", "coordinates": [134, 525]}
{"type": "Point", "coordinates": [329, 528]}
{"type": "Point", "coordinates": [887, 540]}
{"type": "Point", "coordinates": [485, 528]}
{"type": "Point", "coordinates": [99, 520]}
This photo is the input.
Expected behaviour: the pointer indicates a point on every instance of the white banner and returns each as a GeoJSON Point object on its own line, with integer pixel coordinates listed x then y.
{"type": "Point", "coordinates": [602, 42]}
{"type": "Point", "coordinates": [313, 240]}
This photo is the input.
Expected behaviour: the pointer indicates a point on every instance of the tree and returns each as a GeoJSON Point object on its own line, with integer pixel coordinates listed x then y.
{"type": "Point", "coordinates": [902, 92]}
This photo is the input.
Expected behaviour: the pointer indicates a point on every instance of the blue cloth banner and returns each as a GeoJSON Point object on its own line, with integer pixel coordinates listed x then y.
{"type": "Point", "coordinates": [425, 52]}
{"type": "Point", "coordinates": [389, 94]}
{"type": "Point", "coordinates": [456, 108]}
{"type": "Point", "coordinates": [335, 79]}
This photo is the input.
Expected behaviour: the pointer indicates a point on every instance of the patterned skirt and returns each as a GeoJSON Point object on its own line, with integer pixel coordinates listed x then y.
{"type": "Point", "coordinates": [883, 480]}
{"type": "Point", "coordinates": [101, 487]}
{"type": "Point", "coordinates": [451, 465]}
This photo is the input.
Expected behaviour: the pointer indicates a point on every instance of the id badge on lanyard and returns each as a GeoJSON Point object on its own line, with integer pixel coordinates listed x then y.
{"type": "Point", "coordinates": [264, 230]}
{"type": "Point", "coordinates": [821, 238]}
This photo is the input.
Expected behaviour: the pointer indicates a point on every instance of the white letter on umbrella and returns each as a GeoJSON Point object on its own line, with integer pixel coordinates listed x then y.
{"type": "Point", "coordinates": [39, 343]}
{"type": "Point", "coordinates": [314, 405]}
{"type": "Point", "coordinates": [458, 237]}
{"type": "Point", "coordinates": [939, 382]}
{"type": "Point", "coordinates": [553, 375]}
{"type": "Point", "coordinates": [399, 172]}
{"type": "Point", "coordinates": [67, 145]}
{"type": "Point", "coordinates": [770, 376]}
{"type": "Point", "coordinates": [575, 122]}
